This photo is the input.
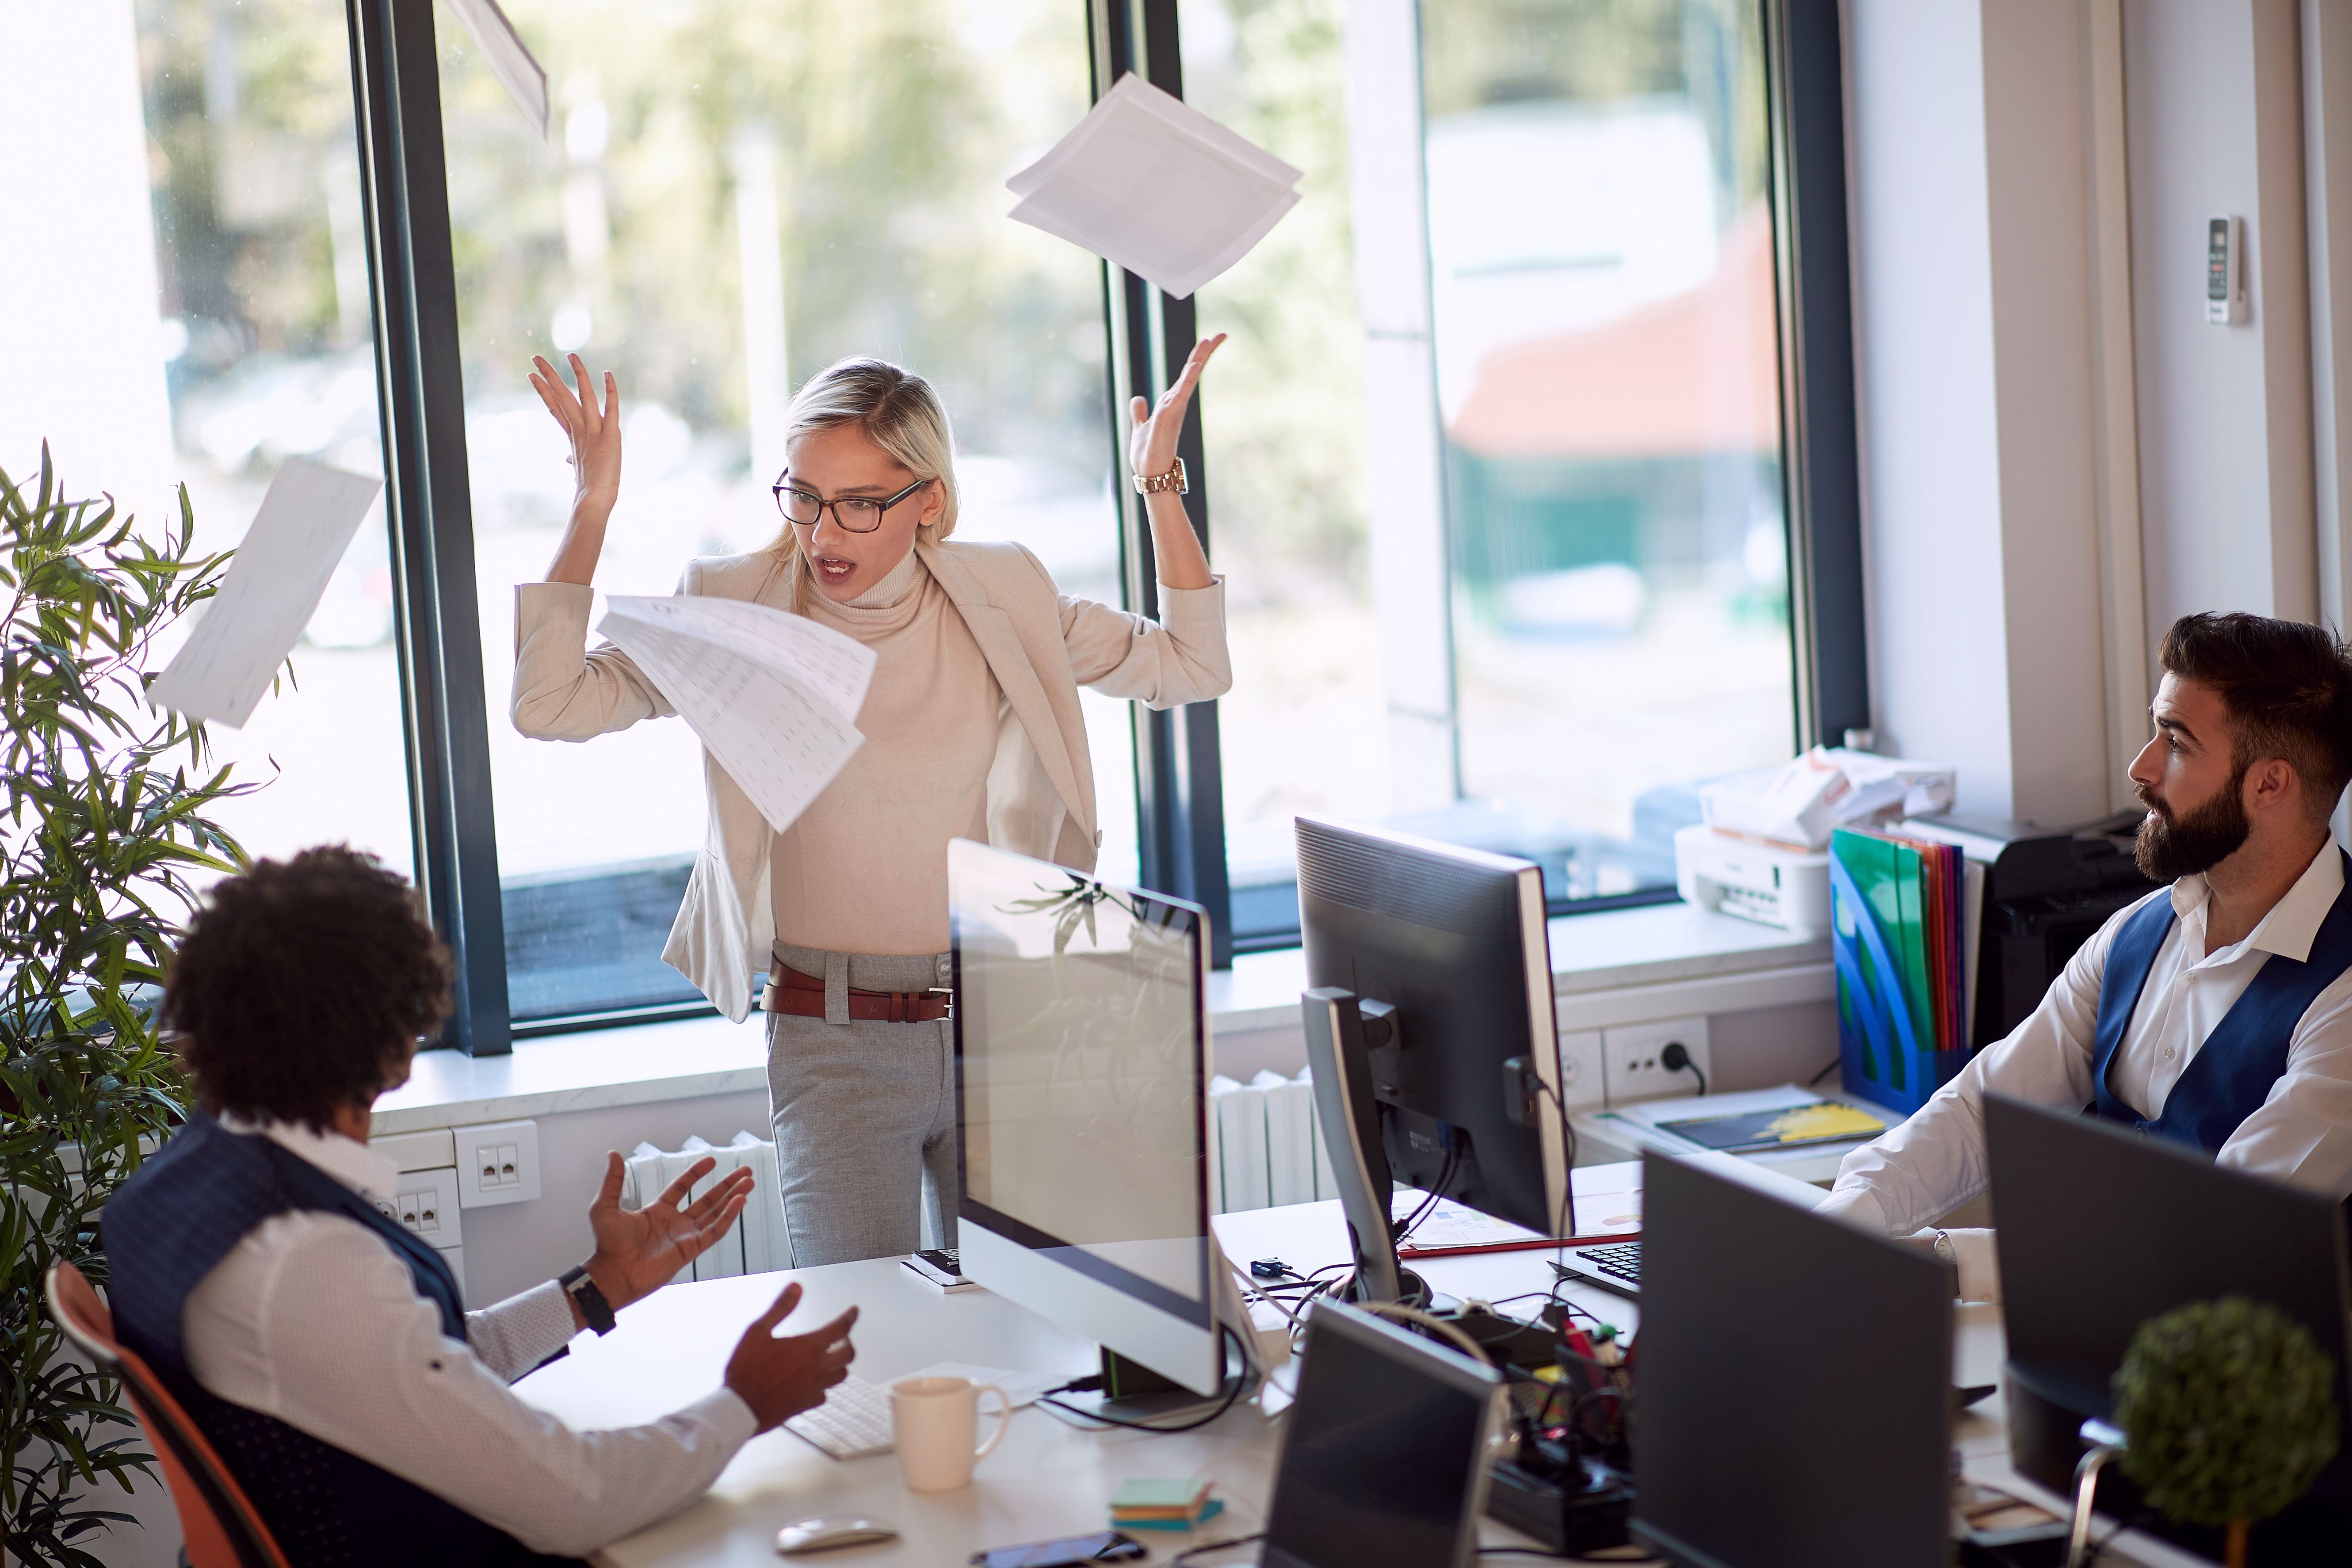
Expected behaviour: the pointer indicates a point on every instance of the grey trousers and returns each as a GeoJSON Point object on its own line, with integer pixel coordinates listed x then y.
{"type": "Point", "coordinates": [865, 1116]}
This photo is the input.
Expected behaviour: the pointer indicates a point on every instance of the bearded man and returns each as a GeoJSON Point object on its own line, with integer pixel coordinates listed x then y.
{"type": "Point", "coordinates": [2216, 1012]}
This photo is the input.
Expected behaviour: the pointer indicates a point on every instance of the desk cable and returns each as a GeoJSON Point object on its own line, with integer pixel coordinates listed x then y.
{"type": "Point", "coordinates": [1082, 1385]}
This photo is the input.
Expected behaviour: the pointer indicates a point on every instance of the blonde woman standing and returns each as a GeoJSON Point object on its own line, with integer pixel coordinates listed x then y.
{"type": "Point", "coordinates": [973, 729]}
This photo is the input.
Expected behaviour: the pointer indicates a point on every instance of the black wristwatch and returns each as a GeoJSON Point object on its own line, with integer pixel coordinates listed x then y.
{"type": "Point", "coordinates": [581, 1287]}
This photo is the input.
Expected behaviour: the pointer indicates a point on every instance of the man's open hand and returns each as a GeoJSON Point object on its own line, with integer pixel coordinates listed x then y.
{"type": "Point", "coordinates": [640, 1250]}
{"type": "Point", "coordinates": [781, 1377]}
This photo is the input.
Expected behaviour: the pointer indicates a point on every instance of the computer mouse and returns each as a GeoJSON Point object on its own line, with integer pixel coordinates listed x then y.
{"type": "Point", "coordinates": [824, 1534]}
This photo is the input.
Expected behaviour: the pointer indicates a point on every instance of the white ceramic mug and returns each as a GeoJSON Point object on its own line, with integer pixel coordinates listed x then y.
{"type": "Point", "coordinates": [935, 1421]}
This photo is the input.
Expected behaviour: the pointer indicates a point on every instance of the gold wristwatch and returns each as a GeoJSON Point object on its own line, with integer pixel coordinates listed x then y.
{"type": "Point", "coordinates": [1173, 479]}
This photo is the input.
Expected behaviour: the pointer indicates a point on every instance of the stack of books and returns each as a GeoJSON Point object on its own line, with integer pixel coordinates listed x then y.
{"type": "Point", "coordinates": [1164, 1504]}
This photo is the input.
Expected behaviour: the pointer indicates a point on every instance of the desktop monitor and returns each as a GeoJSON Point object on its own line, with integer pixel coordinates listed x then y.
{"type": "Point", "coordinates": [1431, 1026]}
{"type": "Point", "coordinates": [1794, 1386]}
{"type": "Point", "coordinates": [2100, 1228]}
{"type": "Point", "coordinates": [1081, 1081]}
{"type": "Point", "coordinates": [1384, 1450]}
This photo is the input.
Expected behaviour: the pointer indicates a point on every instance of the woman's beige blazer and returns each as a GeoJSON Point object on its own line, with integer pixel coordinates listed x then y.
{"type": "Point", "coordinates": [1040, 646]}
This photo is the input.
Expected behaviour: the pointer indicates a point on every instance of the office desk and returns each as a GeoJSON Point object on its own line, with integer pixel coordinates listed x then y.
{"type": "Point", "coordinates": [1047, 1478]}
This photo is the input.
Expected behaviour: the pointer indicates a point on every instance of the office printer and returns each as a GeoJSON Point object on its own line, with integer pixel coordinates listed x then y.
{"type": "Point", "coordinates": [2046, 890]}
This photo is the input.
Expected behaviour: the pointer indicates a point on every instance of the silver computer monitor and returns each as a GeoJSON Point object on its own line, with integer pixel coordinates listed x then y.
{"type": "Point", "coordinates": [1081, 1095]}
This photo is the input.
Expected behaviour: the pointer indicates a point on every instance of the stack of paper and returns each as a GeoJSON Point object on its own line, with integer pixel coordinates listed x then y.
{"type": "Point", "coordinates": [1163, 1504]}
{"type": "Point", "coordinates": [773, 694]}
{"type": "Point", "coordinates": [1151, 184]}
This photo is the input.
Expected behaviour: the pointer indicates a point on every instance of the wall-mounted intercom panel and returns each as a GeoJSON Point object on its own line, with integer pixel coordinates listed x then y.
{"type": "Point", "coordinates": [2225, 270]}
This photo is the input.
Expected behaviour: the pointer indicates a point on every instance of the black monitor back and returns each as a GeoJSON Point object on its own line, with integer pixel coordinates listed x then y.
{"type": "Point", "coordinates": [1793, 1400]}
{"type": "Point", "coordinates": [2100, 1228]}
{"type": "Point", "coordinates": [1443, 935]}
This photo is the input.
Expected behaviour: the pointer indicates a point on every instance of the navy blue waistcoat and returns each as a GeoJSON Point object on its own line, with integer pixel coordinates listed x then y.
{"type": "Point", "coordinates": [2231, 1076]}
{"type": "Point", "coordinates": [164, 1231]}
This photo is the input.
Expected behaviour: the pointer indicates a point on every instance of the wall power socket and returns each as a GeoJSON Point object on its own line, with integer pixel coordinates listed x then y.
{"type": "Point", "coordinates": [1635, 1061]}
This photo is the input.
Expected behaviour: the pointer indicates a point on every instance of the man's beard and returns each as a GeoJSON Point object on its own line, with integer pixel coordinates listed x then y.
{"type": "Point", "coordinates": [2170, 848]}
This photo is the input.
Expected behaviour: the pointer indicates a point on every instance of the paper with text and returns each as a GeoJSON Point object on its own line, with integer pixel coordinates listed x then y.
{"type": "Point", "coordinates": [268, 595]}
{"type": "Point", "coordinates": [1151, 184]}
{"type": "Point", "coordinates": [509, 58]}
{"type": "Point", "coordinates": [774, 695]}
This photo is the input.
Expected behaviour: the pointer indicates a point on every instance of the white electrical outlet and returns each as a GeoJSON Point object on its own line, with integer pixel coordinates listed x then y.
{"type": "Point", "coordinates": [1636, 1060]}
{"type": "Point", "coordinates": [1582, 1079]}
{"type": "Point", "coordinates": [497, 1163]}
{"type": "Point", "coordinates": [426, 1205]}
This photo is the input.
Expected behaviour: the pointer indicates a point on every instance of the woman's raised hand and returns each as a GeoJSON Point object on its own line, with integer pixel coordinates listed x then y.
{"type": "Point", "coordinates": [595, 433]}
{"type": "Point", "coordinates": [1151, 444]}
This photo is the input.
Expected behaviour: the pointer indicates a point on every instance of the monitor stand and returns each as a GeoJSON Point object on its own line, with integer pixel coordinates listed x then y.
{"type": "Point", "coordinates": [1349, 1118]}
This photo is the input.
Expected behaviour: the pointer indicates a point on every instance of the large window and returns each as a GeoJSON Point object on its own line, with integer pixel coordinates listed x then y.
{"type": "Point", "coordinates": [1530, 405]}
{"type": "Point", "coordinates": [198, 314]}
{"type": "Point", "coordinates": [731, 198]}
{"type": "Point", "coordinates": [1496, 456]}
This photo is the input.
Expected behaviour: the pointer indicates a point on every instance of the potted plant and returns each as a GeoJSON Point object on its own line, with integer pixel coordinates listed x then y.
{"type": "Point", "coordinates": [2228, 1410]}
{"type": "Point", "coordinates": [102, 830]}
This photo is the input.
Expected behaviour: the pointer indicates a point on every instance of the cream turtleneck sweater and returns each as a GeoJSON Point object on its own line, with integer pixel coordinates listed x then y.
{"type": "Point", "coordinates": [865, 868]}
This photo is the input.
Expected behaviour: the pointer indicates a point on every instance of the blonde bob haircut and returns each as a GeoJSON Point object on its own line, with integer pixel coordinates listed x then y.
{"type": "Point", "coordinates": [894, 408]}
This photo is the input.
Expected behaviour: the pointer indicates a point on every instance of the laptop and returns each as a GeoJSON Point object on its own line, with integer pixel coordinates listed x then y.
{"type": "Point", "coordinates": [2100, 1228]}
{"type": "Point", "coordinates": [1794, 1385]}
{"type": "Point", "coordinates": [1384, 1461]}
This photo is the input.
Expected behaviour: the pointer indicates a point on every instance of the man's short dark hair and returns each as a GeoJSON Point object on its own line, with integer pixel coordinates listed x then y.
{"type": "Point", "coordinates": [2288, 687]}
{"type": "Point", "coordinates": [302, 988]}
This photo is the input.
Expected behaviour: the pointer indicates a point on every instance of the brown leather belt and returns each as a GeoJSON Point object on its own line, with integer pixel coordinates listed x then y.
{"type": "Point", "coordinates": [802, 996]}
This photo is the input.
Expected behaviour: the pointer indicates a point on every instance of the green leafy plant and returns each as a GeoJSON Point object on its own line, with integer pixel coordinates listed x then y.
{"type": "Point", "coordinates": [2229, 1412]}
{"type": "Point", "coordinates": [101, 835]}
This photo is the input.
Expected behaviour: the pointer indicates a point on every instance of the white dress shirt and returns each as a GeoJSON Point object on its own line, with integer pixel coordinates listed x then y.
{"type": "Point", "coordinates": [315, 1319]}
{"type": "Point", "coordinates": [2302, 1133]}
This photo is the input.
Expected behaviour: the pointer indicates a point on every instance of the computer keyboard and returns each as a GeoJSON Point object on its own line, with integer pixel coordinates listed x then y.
{"type": "Point", "coordinates": [1617, 1265]}
{"type": "Point", "coordinates": [853, 1421]}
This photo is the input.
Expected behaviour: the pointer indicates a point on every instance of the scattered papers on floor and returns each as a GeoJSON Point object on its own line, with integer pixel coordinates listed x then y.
{"type": "Point", "coordinates": [1151, 184]}
{"type": "Point", "coordinates": [774, 695]}
{"type": "Point", "coordinates": [509, 58]}
{"type": "Point", "coordinates": [268, 595]}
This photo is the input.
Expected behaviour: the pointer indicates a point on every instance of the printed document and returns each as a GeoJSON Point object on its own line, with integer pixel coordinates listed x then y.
{"type": "Point", "coordinates": [510, 60]}
{"type": "Point", "coordinates": [774, 695]}
{"type": "Point", "coordinates": [268, 595]}
{"type": "Point", "coordinates": [1152, 184]}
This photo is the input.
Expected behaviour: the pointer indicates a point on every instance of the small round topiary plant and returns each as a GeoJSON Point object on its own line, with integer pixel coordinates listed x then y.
{"type": "Point", "coordinates": [2229, 1411]}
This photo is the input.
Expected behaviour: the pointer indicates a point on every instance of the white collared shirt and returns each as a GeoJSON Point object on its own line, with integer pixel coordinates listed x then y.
{"type": "Point", "coordinates": [315, 1319]}
{"type": "Point", "coordinates": [2302, 1132]}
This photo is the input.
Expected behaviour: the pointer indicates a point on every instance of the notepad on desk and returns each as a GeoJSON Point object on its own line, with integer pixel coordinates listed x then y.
{"type": "Point", "coordinates": [1786, 1127]}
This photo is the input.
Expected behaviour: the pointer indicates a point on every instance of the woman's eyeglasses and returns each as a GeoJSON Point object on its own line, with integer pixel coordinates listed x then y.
{"type": "Point", "coordinates": [851, 515]}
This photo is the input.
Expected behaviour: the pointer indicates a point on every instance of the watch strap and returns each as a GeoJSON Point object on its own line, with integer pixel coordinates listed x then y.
{"type": "Point", "coordinates": [1173, 479]}
{"type": "Point", "coordinates": [580, 1286]}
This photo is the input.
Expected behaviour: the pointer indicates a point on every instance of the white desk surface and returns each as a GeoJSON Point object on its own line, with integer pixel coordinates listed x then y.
{"type": "Point", "coordinates": [1047, 1478]}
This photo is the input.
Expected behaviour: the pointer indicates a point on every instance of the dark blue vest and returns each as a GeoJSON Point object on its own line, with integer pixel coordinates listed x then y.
{"type": "Point", "coordinates": [2231, 1076]}
{"type": "Point", "coordinates": [171, 1223]}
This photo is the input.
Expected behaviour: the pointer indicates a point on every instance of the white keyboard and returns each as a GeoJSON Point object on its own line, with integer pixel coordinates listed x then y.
{"type": "Point", "coordinates": [853, 1421]}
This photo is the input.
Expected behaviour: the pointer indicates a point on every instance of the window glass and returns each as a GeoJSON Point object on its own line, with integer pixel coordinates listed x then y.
{"type": "Point", "coordinates": [730, 198]}
{"type": "Point", "coordinates": [197, 313]}
{"type": "Point", "coordinates": [1497, 481]}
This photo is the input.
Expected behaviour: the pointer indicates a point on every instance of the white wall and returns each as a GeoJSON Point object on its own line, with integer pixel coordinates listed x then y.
{"type": "Point", "coordinates": [1972, 302]}
{"type": "Point", "coordinates": [2213, 99]}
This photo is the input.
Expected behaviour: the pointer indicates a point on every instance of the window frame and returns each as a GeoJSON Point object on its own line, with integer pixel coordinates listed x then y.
{"type": "Point", "coordinates": [1179, 801]}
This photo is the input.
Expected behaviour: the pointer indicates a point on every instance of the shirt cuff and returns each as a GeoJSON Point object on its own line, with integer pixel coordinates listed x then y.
{"type": "Point", "coordinates": [522, 1331]}
{"type": "Point", "coordinates": [540, 603]}
{"type": "Point", "coordinates": [731, 1420]}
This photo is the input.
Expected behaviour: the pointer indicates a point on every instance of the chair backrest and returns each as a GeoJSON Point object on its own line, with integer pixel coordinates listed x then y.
{"type": "Point", "coordinates": [218, 1524]}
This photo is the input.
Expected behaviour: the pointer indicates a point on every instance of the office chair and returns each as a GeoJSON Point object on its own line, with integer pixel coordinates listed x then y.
{"type": "Point", "coordinates": [218, 1525]}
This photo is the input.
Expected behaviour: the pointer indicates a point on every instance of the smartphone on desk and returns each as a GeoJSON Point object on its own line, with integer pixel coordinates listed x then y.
{"type": "Point", "coordinates": [941, 1268]}
{"type": "Point", "coordinates": [1070, 1552]}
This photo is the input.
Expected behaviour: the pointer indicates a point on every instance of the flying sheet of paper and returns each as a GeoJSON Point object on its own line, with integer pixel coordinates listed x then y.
{"type": "Point", "coordinates": [510, 59]}
{"type": "Point", "coordinates": [268, 595]}
{"type": "Point", "coordinates": [774, 695]}
{"type": "Point", "coordinates": [1152, 184]}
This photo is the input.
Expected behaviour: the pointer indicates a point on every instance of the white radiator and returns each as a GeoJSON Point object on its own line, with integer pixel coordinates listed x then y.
{"type": "Point", "coordinates": [756, 1245]}
{"type": "Point", "coordinates": [1266, 1149]}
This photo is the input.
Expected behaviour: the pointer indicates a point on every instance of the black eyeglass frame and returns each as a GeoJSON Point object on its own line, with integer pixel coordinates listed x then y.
{"type": "Point", "coordinates": [780, 489]}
